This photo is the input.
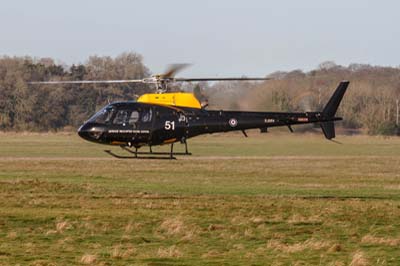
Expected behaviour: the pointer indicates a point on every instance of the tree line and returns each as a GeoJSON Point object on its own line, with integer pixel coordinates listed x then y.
{"type": "Point", "coordinates": [370, 105]}
{"type": "Point", "coordinates": [26, 107]}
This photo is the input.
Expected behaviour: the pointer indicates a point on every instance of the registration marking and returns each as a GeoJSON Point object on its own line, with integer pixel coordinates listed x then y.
{"type": "Point", "coordinates": [302, 119]}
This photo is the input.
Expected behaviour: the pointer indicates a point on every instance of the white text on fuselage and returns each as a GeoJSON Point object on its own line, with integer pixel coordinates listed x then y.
{"type": "Point", "coordinates": [128, 131]}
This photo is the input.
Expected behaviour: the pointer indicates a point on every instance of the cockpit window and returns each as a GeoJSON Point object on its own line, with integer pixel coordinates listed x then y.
{"type": "Point", "coordinates": [134, 118]}
{"type": "Point", "coordinates": [103, 116]}
{"type": "Point", "coordinates": [121, 118]}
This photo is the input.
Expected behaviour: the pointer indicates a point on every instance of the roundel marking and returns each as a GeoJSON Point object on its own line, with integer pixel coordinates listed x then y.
{"type": "Point", "coordinates": [233, 122]}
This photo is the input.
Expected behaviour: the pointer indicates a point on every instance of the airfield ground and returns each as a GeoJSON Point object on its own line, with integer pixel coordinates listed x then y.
{"type": "Point", "coordinates": [269, 199]}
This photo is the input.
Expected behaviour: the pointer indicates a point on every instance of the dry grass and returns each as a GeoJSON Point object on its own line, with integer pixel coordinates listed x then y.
{"type": "Point", "coordinates": [121, 252]}
{"type": "Point", "coordinates": [173, 226]}
{"type": "Point", "coordinates": [211, 254]}
{"type": "Point", "coordinates": [336, 263]}
{"type": "Point", "coordinates": [12, 235]}
{"type": "Point", "coordinates": [43, 263]}
{"type": "Point", "coordinates": [170, 252]}
{"type": "Point", "coordinates": [300, 219]}
{"type": "Point", "coordinates": [215, 227]}
{"type": "Point", "coordinates": [88, 259]}
{"type": "Point", "coordinates": [62, 226]}
{"type": "Point", "coordinates": [370, 239]}
{"type": "Point", "coordinates": [176, 227]}
{"type": "Point", "coordinates": [189, 236]}
{"type": "Point", "coordinates": [257, 220]}
{"type": "Point", "coordinates": [335, 248]}
{"type": "Point", "coordinates": [311, 244]}
{"type": "Point", "coordinates": [359, 259]}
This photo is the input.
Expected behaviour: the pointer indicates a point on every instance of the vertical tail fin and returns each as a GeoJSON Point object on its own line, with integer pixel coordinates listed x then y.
{"type": "Point", "coordinates": [333, 104]}
{"type": "Point", "coordinates": [330, 110]}
{"type": "Point", "coordinates": [329, 129]}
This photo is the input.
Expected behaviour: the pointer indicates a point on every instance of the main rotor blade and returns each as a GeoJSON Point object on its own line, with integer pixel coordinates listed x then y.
{"type": "Point", "coordinates": [218, 79]}
{"type": "Point", "coordinates": [173, 69]}
{"type": "Point", "coordinates": [88, 81]}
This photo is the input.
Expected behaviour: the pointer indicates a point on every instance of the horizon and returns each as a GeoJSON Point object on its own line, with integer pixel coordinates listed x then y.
{"type": "Point", "coordinates": [220, 38]}
{"type": "Point", "coordinates": [67, 66]}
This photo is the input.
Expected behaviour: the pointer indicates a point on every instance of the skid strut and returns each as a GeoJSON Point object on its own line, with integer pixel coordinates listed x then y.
{"type": "Point", "coordinates": [151, 154]}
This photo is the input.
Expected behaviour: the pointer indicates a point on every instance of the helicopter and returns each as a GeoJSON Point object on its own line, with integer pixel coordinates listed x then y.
{"type": "Point", "coordinates": [165, 117]}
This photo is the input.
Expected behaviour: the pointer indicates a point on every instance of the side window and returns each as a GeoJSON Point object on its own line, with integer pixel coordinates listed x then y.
{"type": "Point", "coordinates": [121, 118]}
{"type": "Point", "coordinates": [147, 115]}
{"type": "Point", "coordinates": [134, 118]}
{"type": "Point", "coordinates": [109, 116]}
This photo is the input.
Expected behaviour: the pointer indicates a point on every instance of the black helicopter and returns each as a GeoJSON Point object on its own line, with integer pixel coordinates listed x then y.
{"type": "Point", "coordinates": [166, 118]}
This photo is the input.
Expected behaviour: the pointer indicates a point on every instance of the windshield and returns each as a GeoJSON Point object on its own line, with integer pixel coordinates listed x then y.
{"type": "Point", "coordinates": [103, 116]}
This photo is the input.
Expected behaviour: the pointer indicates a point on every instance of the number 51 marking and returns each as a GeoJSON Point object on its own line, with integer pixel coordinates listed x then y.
{"type": "Point", "coordinates": [169, 125]}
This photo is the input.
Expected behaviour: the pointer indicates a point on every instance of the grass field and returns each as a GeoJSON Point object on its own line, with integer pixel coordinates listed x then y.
{"type": "Point", "coordinates": [270, 199]}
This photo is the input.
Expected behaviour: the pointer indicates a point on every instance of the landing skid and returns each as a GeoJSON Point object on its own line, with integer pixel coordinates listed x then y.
{"type": "Point", "coordinates": [155, 153]}
{"type": "Point", "coordinates": [152, 155]}
{"type": "Point", "coordinates": [137, 157]}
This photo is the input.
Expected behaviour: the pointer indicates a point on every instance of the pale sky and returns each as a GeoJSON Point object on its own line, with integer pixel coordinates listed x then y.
{"type": "Point", "coordinates": [220, 37]}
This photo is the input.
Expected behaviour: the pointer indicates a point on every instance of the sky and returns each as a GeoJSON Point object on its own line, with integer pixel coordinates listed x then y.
{"type": "Point", "coordinates": [220, 37]}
